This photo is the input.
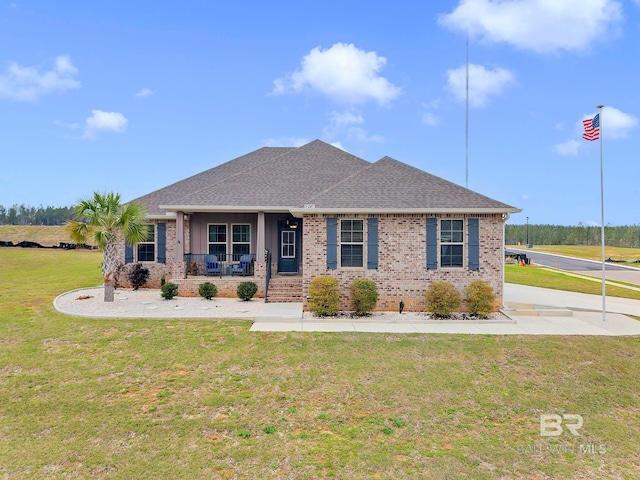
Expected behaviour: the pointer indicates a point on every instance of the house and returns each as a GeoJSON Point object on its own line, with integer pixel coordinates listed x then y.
{"type": "Point", "coordinates": [281, 216]}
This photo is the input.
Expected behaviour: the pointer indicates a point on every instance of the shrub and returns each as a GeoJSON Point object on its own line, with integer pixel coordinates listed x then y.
{"type": "Point", "coordinates": [246, 290]}
{"type": "Point", "coordinates": [480, 298]}
{"type": "Point", "coordinates": [138, 276]}
{"type": "Point", "coordinates": [364, 295]}
{"type": "Point", "coordinates": [208, 290]}
{"type": "Point", "coordinates": [442, 299]}
{"type": "Point", "coordinates": [169, 290]}
{"type": "Point", "coordinates": [324, 296]}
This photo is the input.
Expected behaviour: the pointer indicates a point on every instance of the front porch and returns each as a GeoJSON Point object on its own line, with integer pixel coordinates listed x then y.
{"type": "Point", "coordinates": [222, 244]}
{"type": "Point", "coordinates": [220, 265]}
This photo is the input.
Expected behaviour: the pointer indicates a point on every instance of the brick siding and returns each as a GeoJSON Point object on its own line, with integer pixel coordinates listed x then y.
{"type": "Point", "coordinates": [402, 273]}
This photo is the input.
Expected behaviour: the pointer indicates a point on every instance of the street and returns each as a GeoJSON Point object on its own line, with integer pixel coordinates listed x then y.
{"type": "Point", "coordinates": [579, 265]}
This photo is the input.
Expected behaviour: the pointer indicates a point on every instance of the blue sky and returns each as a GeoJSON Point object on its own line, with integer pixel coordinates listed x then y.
{"type": "Point", "coordinates": [132, 96]}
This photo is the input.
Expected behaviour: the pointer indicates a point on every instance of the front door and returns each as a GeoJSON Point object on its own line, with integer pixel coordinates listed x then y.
{"type": "Point", "coordinates": [288, 248]}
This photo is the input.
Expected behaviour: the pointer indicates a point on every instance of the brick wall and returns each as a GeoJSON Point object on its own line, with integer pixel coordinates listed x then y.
{"type": "Point", "coordinates": [402, 273]}
{"type": "Point", "coordinates": [227, 286]}
{"type": "Point", "coordinates": [156, 270]}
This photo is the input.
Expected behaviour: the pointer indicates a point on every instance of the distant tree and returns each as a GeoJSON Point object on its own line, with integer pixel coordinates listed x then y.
{"type": "Point", "coordinates": [105, 220]}
{"type": "Point", "coordinates": [12, 216]}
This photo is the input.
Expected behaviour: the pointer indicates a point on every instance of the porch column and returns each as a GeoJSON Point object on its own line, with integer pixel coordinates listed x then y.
{"type": "Point", "coordinates": [260, 238]}
{"type": "Point", "coordinates": [179, 236]}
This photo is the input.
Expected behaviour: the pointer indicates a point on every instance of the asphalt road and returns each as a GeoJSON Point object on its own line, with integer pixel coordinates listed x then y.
{"type": "Point", "coordinates": [579, 265]}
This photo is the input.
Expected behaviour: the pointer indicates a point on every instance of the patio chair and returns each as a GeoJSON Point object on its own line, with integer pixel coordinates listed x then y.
{"type": "Point", "coordinates": [212, 266]}
{"type": "Point", "coordinates": [242, 268]}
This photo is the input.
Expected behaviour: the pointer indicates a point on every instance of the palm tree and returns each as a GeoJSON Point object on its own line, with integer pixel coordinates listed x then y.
{"type": "Point", "coordinates": [105, 220]}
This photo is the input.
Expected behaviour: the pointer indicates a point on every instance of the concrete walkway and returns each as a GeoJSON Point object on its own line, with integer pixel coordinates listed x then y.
{"type": "Point", "coordinates": [547, 312]}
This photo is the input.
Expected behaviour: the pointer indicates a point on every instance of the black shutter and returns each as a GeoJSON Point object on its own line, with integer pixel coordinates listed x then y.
{"type": "Point", "coordinates": [162, 243]}
{"type": "Point", "coordinates": [332, 243]}
{"type": "Point", "coordinates": [128, 254]}
{"type": "Point", "coordinates": [474, 244]}
{"type": "Point", "coordinates": [432, 243]}
{"type": "Point", "coordinates": [372, 243]}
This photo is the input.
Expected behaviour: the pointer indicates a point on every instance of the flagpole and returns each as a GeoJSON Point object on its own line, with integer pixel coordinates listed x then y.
{"type": "Point", "coordinates": [604, 293]}
{"type": "Point", "coordinates": [466, 123]}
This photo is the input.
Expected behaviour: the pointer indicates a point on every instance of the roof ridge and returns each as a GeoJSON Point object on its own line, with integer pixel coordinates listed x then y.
{"type": "Point", "coordinates": [208, 186]}
{"type": "Point", "coordinates": [337, 184]}
{"type": "Point", "coordinates": [190, 177]}
{"type": "Point", "coordinates": [424, 172]}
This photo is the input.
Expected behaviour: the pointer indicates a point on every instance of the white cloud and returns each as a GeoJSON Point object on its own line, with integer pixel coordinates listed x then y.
{"type": "Point", "coordinates": [430, 119]}
{"type": "Point", "coordinates": [29, 83]}
{"type": "Point", "coordinates": [537, 25]}
{"type": "Point", "coordinates": [614, 123]}
{"type": "Point", "coordinates": [285, 142]}
{"type": "Point", "coordinates": [346, 118]}
{"type": "Point", "coordinates": [346, 124]}
{"type": "Point", "coordinates": [362, 135]}
{"type": "Point", "coordinates": [145, 92]}
{"type": "Point", "coordinates": [568, 148]}
{"type": "Point", "coordinates": [343, 73]}
{"type": "Point", "coordinates": [100, 121]}
{"type": "Point", "coordinates": [483, 83]}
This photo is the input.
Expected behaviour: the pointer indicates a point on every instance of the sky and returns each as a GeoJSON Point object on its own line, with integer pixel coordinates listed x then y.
{"type": "Point", "coordinates": [131, 96]}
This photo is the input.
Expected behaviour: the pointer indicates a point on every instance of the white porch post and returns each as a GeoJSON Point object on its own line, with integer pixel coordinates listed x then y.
{"type": "Point", "coordinates": [260, 247]}
{"type": "Point", "coordinates": [179, 236]}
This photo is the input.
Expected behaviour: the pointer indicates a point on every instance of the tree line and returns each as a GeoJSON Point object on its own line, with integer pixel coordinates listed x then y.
{"type": "Point", "coordinates": [27, 215]}
{"type": "Point", "coordinates": [621, 236]}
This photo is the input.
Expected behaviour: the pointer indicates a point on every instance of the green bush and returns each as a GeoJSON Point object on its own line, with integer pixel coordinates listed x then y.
{"type": "Point", "coordinates": [364, 295]}
{"type": "Point", "coordinates": [138, 275]}
{"type": "Point", "coordinates": [442, 298]}
{"type": "Point", "coordinates": [480, 298]}
{"type": "Point", "coordinates": [169, 290]}
{"type": "Point", "coordinates": [246, 290]}
{"type": "Point", "coordinates": [208, 290]}
{"type": "Point", "coordinates": [324, 296]}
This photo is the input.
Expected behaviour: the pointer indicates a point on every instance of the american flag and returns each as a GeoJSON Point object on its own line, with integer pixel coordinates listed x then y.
{"type": "Point", "coordinates": [591, 128]}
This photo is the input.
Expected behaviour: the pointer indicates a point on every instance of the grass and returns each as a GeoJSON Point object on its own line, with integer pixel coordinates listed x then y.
{"type": "Point", "coordinates": [121, 399]}
{"type": "Point", "coordinates": [590, 252]}
{"type": "Point", "coordinates": [47, 236]}
{"type": "Point", "coordinates": [547, 278]}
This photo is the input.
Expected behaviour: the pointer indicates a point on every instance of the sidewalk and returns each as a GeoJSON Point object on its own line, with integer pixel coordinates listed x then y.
{"type": "Point", "coordinates": [584, 317]}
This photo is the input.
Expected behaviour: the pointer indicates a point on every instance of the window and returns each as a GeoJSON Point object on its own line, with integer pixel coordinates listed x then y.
{"type": "Point", "coordinates": [288, 244]}
{"type": "Point", "coordinates": [240, 240]}
{"type": "Point", "coordinates": [351, 243]}
{"type": "Point", "coordinates": [146, 249]}
{"type": "Point", "coordinates": [218, 240]}
{"type": "Point", "coordinates": [451, 243]}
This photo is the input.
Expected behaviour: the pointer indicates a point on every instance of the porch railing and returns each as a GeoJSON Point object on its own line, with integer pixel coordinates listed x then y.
{"type": "Point", "coordinates": [268, 275]}
{"type": "Point", "coordinates": [231, 264]}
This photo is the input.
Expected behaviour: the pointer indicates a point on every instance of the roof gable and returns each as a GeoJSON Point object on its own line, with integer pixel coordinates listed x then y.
{"type": "Point", "coordinates": [282, 181]}
{"type": "Point", "coordinates": [390, 184]}
{"type": "Point", "coordinates": [319, 175]}
{"type": "Point", "coordinates": [174, 193]}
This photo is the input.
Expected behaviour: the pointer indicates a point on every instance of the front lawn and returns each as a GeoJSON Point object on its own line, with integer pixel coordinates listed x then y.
{"type": "Point", "coordinates": [83, 398]}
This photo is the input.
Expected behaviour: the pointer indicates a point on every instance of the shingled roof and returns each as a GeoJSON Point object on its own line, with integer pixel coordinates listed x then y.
{"type": "Point", "coordinates": [392, 185]}
{"type": "Point", "coordinates": [315, 177]}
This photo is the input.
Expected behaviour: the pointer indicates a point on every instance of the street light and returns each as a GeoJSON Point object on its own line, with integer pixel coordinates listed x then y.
{"type": "Point", "coordinates": [527, 231]}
